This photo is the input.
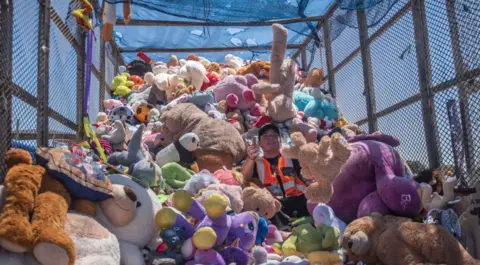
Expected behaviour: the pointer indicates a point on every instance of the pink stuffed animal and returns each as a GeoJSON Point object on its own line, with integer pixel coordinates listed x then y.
{"type": "Point", "coordinates": [236, 91]}
{"type": "Point", "coordinates": [228, 177]}
{"type": "Point", "coordinates": [110, 104]}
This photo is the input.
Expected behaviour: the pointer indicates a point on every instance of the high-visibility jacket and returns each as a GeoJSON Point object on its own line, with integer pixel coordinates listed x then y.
{"type": "Point", "coordinates": [292, 185]}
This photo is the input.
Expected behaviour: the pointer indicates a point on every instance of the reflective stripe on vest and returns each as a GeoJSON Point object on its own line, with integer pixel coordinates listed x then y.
{"type": "Point", "coordinates": [292, 185]}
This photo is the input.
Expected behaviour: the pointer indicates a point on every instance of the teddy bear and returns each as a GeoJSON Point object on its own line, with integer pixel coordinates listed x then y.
{"type": "Point", "coordinates": [220, 143]}
{"type": "Point", "coordinates": [194, 73]}
{"type": "Point", "coordinates": [134, 225]}
{"type": "Point", "coordinates": [370, 160]}
{"type": "Point", "coordinates": [282, 79]}
{"type": "Point", "coordinates": [233, 61]}
{"type": "Point", "coordinates": [260, 201]}
{"type": "Point", "coordinates": [173, 61]}
{"type": "Point", "coordinates": [182, 89]}
{"type": "Point", "coordinates": [261, 69]}
{"type": "Point", "coordinates": [315, 79]}
{"type": "Point", "coordinates": [233, 196]}
{"type": "Point", "coordinates": [34, 212]}
{"type": "Point", "coordinates": [237, 120]}
{"type": "Point", "coordinates": [168, 83]}
{"type": "Point", "coordinates": [378, 239]}
{"type": "Point", "coordinates": [214, 67]}
{"type": "Point", "coordinates": [228, 71]}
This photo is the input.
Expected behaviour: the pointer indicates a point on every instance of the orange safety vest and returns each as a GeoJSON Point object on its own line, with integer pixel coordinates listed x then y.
{"type": "Point", "coordinates": [292, 185]}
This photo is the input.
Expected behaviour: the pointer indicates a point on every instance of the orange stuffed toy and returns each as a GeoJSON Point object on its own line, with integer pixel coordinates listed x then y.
{"type": "Point", "coordinates": [35, 211]}
{"type": "Point", "coordinates": [137, 82]}
{"type": "Point", "coordinates": [261, 69]}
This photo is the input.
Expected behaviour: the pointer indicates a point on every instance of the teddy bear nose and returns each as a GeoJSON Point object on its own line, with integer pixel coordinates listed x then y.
{"type": "Point", "coordinates": [130, 193]}
{"type": "Point", "coordinates": [350, 244]}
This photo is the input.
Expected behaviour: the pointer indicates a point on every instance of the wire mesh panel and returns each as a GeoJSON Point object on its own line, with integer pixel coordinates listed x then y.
{"type": "Point", "coordinates": [407, 125]}
{"type": "Point", "coordinates": [394, 64]}
{"type": "Point", "coordinates": [94, 98]}
{"type": "Point", "coordinates": [63, 75]}
{"type": "Point", "coordinates": [349, 84]}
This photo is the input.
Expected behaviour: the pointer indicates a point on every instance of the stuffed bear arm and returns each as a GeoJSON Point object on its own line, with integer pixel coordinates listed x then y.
{"type": "Point", "coordinates": [265, 88]}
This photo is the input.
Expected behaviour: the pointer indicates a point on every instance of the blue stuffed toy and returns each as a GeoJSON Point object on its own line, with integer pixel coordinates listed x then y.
{"type": "Point", "coordinates": [262, 231]}
{"type": "Point", "coordinates": [301, 99]}
{"type": "Point", "coordinates": [321, 109]}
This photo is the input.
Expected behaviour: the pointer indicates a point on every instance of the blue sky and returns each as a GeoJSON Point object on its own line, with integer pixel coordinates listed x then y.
{"type": "Point", "coordinates": [395, 76]}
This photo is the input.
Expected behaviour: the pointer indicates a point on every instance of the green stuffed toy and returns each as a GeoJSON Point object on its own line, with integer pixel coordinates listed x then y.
{"type": "Point", "coordinates": [121, 84]}
{"type": "Point", "coordinates": [306, 239]}
{"type": "Point", "coordinates": [175, 175]}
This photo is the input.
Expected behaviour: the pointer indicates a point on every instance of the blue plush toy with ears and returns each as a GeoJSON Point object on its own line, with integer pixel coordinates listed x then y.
{"type": "Point", "coordinates": [262, 231]}
{"type": "Point", "coordinates": [321, 109]}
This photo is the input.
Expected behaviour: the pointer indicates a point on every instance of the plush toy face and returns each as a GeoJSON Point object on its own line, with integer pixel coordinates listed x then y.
{"type": "Point", "coordinates": [359, 235]}
{"type": "Point", "coordinates": [244, 229]}
{"type": "Point", "coordinates": [121, 114]}
{"type": "Point", "coordinates": [260, 201]}
{"type": "Point", "coordinates": [190, 141]}
{"type": "Point", "coordinates": [172, 236]}
{"type": "Point", "coordinates": [141, 112]}
{"type": "Point", "coordinates": [142, 228]}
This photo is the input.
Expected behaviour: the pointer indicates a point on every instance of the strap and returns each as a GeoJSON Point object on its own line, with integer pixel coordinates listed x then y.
{"type": "Point", "coordinates": [90, 133]}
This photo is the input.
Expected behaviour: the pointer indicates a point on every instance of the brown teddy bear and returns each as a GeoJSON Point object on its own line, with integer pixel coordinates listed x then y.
{"type": "Point", "coordinates": [214, 67]}
{"type": "Point", "coordinates": [35, 211]}
{"type": "Point", "coordinates": [237, 120]}
{"type": "Point", "coordinates": [318, 162]}
{"type": "Point", "coordinates": [220, 143]}
{"type": "Point", "coordinates": [182, 89]}
{"type": "Point", "coordinates": [390, 240]}
{"type": "Point", "coordinates": [226, 72]}
{"type": "Point", "coordinates": [261, 69]}
{"type": "Point", "coordinates": [260, 201]}
{"type": "Point", "coordinates": [314, 78]}
{"type": "Point", "coordinates": [173, 62]}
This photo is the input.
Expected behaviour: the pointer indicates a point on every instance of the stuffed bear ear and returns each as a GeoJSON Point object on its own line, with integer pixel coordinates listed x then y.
{"type": "Point", "coordinates": [278, 206]}
{"type": "Point", "coordinates": [249, 191]}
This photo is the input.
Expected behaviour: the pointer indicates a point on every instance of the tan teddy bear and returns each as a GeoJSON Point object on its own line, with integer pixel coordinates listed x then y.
{"type": "Point", "coordinates": [260, 201]}
{"type": "Point", "coordinates": [321, 162]}
{"type": "Point", "coordinates": [390, 240]}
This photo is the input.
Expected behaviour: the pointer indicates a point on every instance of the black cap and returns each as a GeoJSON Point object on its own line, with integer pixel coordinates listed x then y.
{"type": "Point", "coordinates": [266, 127]}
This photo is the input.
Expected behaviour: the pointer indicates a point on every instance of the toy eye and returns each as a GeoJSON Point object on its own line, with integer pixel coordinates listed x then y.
{"type": "Point", "coordinates": [258, 209]}
{"type": "Point", "coordinates": [249, 228]}
{"type": "Point", "coordinates": [193, 140]}
{"type": "Point", "coordinates": [139, 204]}
{"type": "Point", "coordinates": [176, 229]}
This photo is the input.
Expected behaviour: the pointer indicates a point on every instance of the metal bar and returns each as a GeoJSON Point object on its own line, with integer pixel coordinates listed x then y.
{"type": "Point", "coordinates": [417, 97]}
{"type": "Point", "coordinates": [216, 49]}
{"type": "Point", "coordinates": [384, 28]}
{"type": "Point", "coordinates": [95, 72]}
{"type": "Point", "coordinates": [137, 22]}
{"type": "Point", "coordinates": [369, 91]}
{"type": "Point", "coordinates": [31, 100]}
{"type": "Point", "coordinates": [57, 20]}
{"type": "Point", "coordinates": [101, 80]}
{"type": "Point", "coordinates": [43, 72]}
{"type": "Point", "coordinates": [115, 47]}
{"type": "Point", "coordinates": [115, 57]}
{"type": "Point", "coordinates": [320, 23]}
{"type": "Point", "coordinates": [464, 88]}
{"type": "Point", "coordinates": [425, 81]}
{"type": "Point", "coordinates": [6, 31]}
{"type": "Point", "coordinates": [329, 58]}
{"type": "Point", "coordinates": [33, 136]}
{"type": "Point", "coordinates": [80, 88]}
{"type": "Point", "coordinates": [303, 57]}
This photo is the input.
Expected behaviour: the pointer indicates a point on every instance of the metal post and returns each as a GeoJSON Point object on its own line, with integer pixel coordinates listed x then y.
{"type": "Point", "coordinates": [303, 55]}
{"type": "Point", "coordinates": [115, 58]}
{"type": "Point", "coordinates": [329, 57]}
{"type": "Point", "coordinates": [464, 88]}
{"type": "Point", "coordinates": [80, 86]}
{"type": "Point", "coordinates": [369, 91]}
{"type": "Point", "coordinates": [43, 72]}
{"type": "Point", "coordinates": [6, 91]}
{"type": "Point", "coordinates": [425, 81]}
{"type": "Point", "coordinates": [101, 97]}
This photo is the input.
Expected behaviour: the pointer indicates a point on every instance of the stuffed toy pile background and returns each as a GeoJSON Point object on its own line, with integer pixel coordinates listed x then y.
{"type": "Point", "coordinates": [171, 190]}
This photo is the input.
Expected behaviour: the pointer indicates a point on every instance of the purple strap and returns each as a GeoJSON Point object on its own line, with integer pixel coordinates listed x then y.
{"type": "Point", "coordinates": [88, 72]}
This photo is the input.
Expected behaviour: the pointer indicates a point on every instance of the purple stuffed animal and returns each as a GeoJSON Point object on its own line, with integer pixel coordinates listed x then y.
{"type": "Point", "coordinates": [372, 180]}
{"type": "Point", "coordinates": [238, 231]}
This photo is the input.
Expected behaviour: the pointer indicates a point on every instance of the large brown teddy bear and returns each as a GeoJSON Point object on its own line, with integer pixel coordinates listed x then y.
{"type": "Point", "coordinates": [34, 212]}
{"type": "Point", "coordinates": [261, 69]}
{"type": "Point", "coordinates": [220, 143]}
{"type": "Point", "coordinates": [390, 240]}
{"type": "Point", "coordinates": [260, 201]}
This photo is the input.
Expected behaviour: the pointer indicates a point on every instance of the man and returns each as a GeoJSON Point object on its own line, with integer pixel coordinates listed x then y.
{"type": "Point", "coordinates": [278, 174]}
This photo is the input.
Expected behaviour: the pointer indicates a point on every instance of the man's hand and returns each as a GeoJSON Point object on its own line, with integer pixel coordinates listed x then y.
{"type": "Point", "coordinates": [252, 149]}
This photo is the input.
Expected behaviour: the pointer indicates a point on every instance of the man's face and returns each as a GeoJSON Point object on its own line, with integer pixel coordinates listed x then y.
{"type": "Point", "coordinates": [270, 141]}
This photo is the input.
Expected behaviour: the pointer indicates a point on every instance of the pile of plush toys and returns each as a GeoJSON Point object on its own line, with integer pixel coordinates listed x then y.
{"type": "Point", "coordinates": [171, 191]}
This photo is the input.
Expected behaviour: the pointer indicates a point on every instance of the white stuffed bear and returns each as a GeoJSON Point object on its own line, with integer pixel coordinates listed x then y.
{"type": "Point", "coordinates": [168, 83]}
{"type": "Point", "coordinates": [195, 73]}
{"type": "Point", "coordinates": [135, 226]}
{"type": "Point", "coordinates": [233, 61]}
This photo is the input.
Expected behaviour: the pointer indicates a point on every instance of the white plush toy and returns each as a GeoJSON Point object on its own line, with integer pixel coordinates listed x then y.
{"type": "Point", "coordinates": [195, 73]}
{"type": "Point", "coordinates": [323, 214]}
{"type": "Point", "coordinates": [233, 61]}
{"type": "Point", "coordinates": [200, 181]}
{"type": "Point", "coordinates": [181, 150]}
{"type": "Point", "coordinates": [122, 69]}
{"type": "Point", "coordinates": [117, 136]}
{"type": "Point", "coordinates": [135, 226]}
{"type": "Point", "coordinates": [168, 83]}
{"type": "Point", "coordinates": [434, 200]}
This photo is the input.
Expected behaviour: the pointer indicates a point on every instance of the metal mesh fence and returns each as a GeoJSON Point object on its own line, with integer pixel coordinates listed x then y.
{"type": "Point", "coordinates": [41, 62]}
{"type": "Point", "coordinates": [423, 61]}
